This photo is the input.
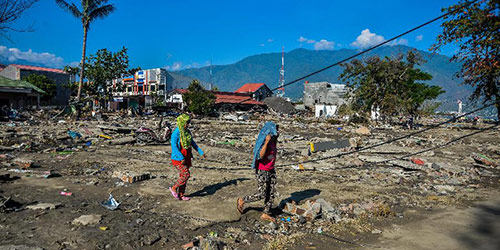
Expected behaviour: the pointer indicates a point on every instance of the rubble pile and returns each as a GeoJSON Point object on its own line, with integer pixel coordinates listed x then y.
{"type": "Point", "coordinates": [104, 189]}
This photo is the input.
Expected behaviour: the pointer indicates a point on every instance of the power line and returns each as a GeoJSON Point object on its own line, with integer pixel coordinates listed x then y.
{"type": "Point", "coordinates": [392, 140]}
{"type": "Point", "coordinates": [441, 145]}
{"type": "Point", "coordinates": [370, 49]}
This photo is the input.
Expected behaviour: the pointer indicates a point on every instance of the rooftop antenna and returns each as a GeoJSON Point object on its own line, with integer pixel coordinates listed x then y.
{"type": "Point", "coordinates": [281, 83]}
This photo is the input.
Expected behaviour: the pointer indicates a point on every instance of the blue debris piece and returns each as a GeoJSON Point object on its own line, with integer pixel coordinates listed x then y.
{"type": "Point", "coordinates": [74, 134]}
{"type": "Point", "coordinates": [111, 203]}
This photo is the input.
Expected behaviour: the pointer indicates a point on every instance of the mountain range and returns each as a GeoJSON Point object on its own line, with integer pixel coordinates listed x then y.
{"type": "Point", "coordinates": [299, 62]}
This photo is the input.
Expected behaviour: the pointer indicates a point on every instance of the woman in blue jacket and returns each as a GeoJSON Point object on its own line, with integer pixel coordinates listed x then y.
{"type": "Point", "coordinates": [182, 143]}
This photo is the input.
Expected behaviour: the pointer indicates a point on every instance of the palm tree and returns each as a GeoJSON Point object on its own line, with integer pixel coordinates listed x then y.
{"type": "Point", "coordinates": [91, 10]}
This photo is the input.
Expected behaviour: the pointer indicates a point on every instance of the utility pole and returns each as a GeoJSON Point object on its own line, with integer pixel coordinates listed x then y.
{"type": "Point", "coordinates": [281, 83]}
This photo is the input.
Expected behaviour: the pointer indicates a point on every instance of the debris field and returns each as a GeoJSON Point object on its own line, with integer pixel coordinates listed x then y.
{"type": "Point", "coordinates": [68, 184]}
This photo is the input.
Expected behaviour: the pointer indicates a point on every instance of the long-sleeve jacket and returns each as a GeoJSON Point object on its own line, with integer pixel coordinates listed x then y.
{"type": "Point", "coordinates": [175, 141]}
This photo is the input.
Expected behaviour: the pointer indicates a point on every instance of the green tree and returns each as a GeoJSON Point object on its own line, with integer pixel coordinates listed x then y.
{"type": "Point", "coordinates": [103, 67]}
{"type": "Point", "coordinates": [389, 84]}
{"type": "Point", "coordinates": [199, 100]}
{"type": "Point", "coordinates": [90, 11]}
{"type": "Point", "coordinates": [476, 30]}
{"type": "Point", "coordinates": [44, 83]}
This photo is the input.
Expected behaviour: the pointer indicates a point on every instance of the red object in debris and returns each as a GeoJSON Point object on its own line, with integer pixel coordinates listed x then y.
{"type": "Point", "coordinates": [65, 193]}
{"type": "Point", "coordinates": [417, 161]}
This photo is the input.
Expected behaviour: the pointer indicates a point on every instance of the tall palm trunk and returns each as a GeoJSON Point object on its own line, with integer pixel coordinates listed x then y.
{"type": "Point", "coordinates": [82, 62]}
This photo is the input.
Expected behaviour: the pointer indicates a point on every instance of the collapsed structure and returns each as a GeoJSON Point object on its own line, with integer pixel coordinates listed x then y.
{"type": "Point", "coordinates": [324, 98]}
{"type": "Point", "coordinates": [18, 94]}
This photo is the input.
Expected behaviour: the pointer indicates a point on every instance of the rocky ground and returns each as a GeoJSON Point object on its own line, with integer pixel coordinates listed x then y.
{"type": "Point", "coordinates": [52, 187]}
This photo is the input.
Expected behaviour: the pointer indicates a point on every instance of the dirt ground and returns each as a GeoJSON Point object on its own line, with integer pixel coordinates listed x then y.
{"type": "Point", "coordinates": [449, 202]}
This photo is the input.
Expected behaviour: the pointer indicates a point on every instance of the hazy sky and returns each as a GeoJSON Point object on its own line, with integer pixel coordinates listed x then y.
{"type": "Point", "coordinates": [189, 33]}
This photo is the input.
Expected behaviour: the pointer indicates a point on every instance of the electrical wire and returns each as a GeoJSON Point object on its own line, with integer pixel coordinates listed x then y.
{"type": "Point", "coordinates": [372, 48]}
{"type": "Point", "coordinates": [391, 140]}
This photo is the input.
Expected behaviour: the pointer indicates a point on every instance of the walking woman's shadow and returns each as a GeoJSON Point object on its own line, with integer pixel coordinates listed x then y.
{"type": "Point", "coordinates": [211, 189]}
{"type": "Point", "coordinates": [300, 196]}
{"type": "Point", "coordinates": [295, 196]}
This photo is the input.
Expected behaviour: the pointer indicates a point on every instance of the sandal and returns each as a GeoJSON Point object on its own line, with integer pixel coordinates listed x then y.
{"type": "Point", "coordinates": [267, 217]}
{"type": "Point", "coordinates": [174, 194]}
{"type": "Point", "coordinates": [239, 205]}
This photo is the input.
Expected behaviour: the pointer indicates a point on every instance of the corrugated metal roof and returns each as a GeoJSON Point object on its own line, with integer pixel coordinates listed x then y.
{"type": "Point", "coordinates": [8, 83]}
{"type": "Point", "coordinates": [249, 88]}
{"type": "Point", "coordinates": [227, 97]}
{"type": "Point", "coordinates": [235, 98]}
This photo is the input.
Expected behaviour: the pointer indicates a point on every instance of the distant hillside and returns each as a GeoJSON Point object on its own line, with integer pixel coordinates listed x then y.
{"type": "Point", "coordinates": [299, 62]}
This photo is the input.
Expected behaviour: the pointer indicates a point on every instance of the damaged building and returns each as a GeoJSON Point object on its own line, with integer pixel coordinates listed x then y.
{"type": "Point", "coordinates": [224, 101]}
{"type": "Point", "coordinates": [324, 98]}
{"type": "Point", "coordinates": [18, 94]}
{"type": "Point", "coordinates": [60, 78]}
{"type": "Point", "coordinates": [259, 91]}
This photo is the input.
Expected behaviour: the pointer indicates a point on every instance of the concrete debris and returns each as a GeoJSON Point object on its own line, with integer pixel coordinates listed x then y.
{"type": "Point", "coordinates": [19, 247]}
{"type": "Point", "coordinates": [279, 105]}
{"type": "Point", "coordinates": [85, 220]}
{"type": "Point", "coordinates": [43, 206]}
{"type": "Point", "coordinates": [122, 141]}
{"type": "Point", "coordinates": [23, 163]}
{"type": "Point", "coordinates": [361, 193]}
{"type": "Point", "coordinates": [327, 145]}
{"type": "Point", "coordinates": [362, 131]}
{"type": "Point", "coordinates": [131, 176]}
{"type": "Point", "coordinates": [311, 209]}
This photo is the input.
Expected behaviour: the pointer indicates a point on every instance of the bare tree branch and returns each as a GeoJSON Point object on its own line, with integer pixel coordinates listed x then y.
{"type": "Point", "coordinates": [11, 11]}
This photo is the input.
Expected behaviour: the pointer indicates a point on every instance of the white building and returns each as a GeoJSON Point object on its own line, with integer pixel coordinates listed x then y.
{"type": "Point", "coordinates": [324, 110]}
{"type": "Point", "coordinates": [139, 88]}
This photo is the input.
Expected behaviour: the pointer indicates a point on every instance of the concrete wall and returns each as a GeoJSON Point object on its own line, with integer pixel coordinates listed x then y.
{"type": "Point", "coordinates": [321, 110]}
{"type": "Point", "coordinates": [62, 93]}
{"type": "Point", "coordinates": [10, 72]}
{"type": "Point", "coordinates": [323, 93]}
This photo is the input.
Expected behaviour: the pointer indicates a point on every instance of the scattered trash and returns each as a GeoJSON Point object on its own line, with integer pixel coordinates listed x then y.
{"type": "Point", "coordinates": [111, 203]}
{"type": "Point", "coordinates": [232, 143]}
{"type": "Point", "coordinates": [36, 173]}
{"type": "Point", "coordinates": [64, 193]}
{"type": "Point", "coordinates": [417, 161]}
{"type": "Point", "coordinates": [105, 136]}
{"type": "Point", "coordinates": [23, 163]}
{"type": "Point", "coordinates": [298, 167]}
{"type": "Point", "coordinates": [103, 228]}
{"type": "Point", "coordinates": [482, 159]}
{"type": "Point", "coordinates": [74, 134]}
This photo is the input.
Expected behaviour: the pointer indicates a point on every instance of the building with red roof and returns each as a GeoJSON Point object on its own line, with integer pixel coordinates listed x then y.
{"type": "Point", "coordinates": [223, 100]}
{"type": "Point", "coordinates": [61, 79]}
{"type": "Point", "coordinates": [259, 91]}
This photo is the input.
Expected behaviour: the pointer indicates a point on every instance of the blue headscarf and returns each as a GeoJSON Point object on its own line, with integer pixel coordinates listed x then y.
{"type": "Point", "coordinates": [268, 129]}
